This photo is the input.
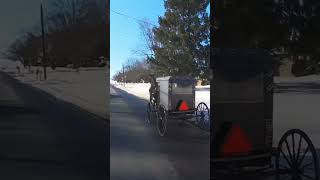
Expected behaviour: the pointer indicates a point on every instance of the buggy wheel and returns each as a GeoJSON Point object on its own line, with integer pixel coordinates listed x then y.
{"type": "Point", "coordinates": [203, 116]}
{"type": "Point", "coordinates": [296, 157]}
{"type": "Point", "coordinates": [148, 114]}
{"type": "Point", "coordinates": [162, 121]}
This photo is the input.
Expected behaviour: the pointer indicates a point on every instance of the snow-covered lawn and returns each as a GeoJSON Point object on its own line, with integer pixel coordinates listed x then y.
{"type": "Point", "coordinates": [142, 90]}
{"type": "Point", "coordinates": [87, 88]}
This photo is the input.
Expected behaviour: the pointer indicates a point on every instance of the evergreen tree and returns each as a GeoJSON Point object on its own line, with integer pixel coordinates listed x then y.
{"type": "Point", "coordinates": [301, 18]}
{"type": "Point", "coordinates": [182, 40]}
{"type": "Point", "coordinates": [247, 24]}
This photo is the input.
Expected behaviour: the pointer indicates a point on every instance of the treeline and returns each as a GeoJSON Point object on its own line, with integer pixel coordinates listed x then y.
{"type": "Point", "coordinates": [75, 33]}
{"type": "Point", "coordinates": [133, 71]}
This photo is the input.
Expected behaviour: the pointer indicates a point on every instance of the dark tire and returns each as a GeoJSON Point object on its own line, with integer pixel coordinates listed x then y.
{"type": "Point", "coordinates": [203, 116]}
{"type": "Point", "coordinates": [162, 121]}
{"type": "Point", "coordinates": [148, 119]}
{"type": "Point", "coordinates": [296, 157]}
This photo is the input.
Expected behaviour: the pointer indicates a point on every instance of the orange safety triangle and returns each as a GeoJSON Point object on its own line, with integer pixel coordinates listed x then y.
{"type": "Point", "coordinates": [183, 106]}
{"type": "Point", "coordinates": [237, 142]}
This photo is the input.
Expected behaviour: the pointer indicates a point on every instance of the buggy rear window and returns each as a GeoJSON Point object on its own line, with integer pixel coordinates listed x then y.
{"type": "Point", "coordinates": [248, 90]}
{"type": "Point", "coordinates": [182, 82]}
{"type": "Point", "coordinates": [178, 89]}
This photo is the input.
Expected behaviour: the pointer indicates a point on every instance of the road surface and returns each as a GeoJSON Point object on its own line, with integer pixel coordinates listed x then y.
{"type": "Point", "coordinates": [44, 138]}
{"type": "Point", "coordinates": [296, 106]}
{"type": "Point", "coordinates": [138, 153]}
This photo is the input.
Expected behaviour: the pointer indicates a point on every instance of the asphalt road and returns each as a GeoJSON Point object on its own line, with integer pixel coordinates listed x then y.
{"type": "Point", "coordinates": [138, 153]}
{"type": "Point", "coordinates": [44, 138]}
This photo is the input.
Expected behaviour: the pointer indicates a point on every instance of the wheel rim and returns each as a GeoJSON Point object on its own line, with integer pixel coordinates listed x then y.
{"type": "Point", "coordinates": [162, 122]}
{"type": "Point", "coordinates": [296, 157]}
{"type": "Point", "coordinates": [202, 116]}
{"type": "Point", "coordinates": [149, 115]}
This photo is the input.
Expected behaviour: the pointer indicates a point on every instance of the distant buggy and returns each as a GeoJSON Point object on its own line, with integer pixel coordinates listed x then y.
{"type": "Point", "coordinates": [176, 100]}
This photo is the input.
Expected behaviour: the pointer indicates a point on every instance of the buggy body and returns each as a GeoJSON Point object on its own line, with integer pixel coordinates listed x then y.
{"type": "Point", "coordinates": [176, 101]}
{"type": "Point", "coordinates": [242, 133]}
{"type": "Point", "coordinates": [174, 90]}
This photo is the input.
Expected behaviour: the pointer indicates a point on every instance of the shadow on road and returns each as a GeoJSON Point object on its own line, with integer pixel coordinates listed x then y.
{"type": "Point", "coordinates": [47, 137]}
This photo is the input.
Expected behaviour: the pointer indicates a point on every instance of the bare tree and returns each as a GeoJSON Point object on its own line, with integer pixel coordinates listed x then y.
{"type": "Point", "coordinates": [67, 12]}
{"type": "Point", "coordinates": [76, 33]}
{"type": "Point", "coordinates": [147, 33]}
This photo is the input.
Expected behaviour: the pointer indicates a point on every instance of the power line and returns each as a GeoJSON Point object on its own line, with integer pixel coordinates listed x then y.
{"type": "Point", "coordinates": [131, 17]}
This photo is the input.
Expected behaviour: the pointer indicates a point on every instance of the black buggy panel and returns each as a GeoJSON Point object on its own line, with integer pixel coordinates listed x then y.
{"type": "Point", "coordinates": [177, 89]}
{"type": "Point", "coordinates": [242, 96]}
{"type": "Point", "coordinates": [237, 65]}
{"type": "Point", "coordinates": [182, 91]}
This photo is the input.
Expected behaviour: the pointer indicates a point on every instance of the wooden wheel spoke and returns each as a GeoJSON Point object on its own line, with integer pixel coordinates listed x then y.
{"type": "Point", "coordinates": [293, 147]}
{"type": "Point", "coordinates": [200, 107]}
{"type": "Point", "coordinates": [289, 151]}
{"type": "Point", "coordinates": [298, 153]}
{"type": "Point", "coordinates": [304, 154]}
{"type": "Point", "coordinates": [286, 158]}
{"type": "Point", "coordinates": [301, 161]}
{"type": "Point", "coordinates": [307, 176]}
{"type": "Point", "coordinates": [306, 165]}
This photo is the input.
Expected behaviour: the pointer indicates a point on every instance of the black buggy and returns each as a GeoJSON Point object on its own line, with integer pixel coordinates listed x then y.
{"type": "Point", "coordinates": [174, 100]}
{"type": "Point", "coordinates": [242, 130]}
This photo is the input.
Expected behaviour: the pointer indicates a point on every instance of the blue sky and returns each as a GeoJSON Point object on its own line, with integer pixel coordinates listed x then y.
{"type": "Point", "coordinates": [125, 34]}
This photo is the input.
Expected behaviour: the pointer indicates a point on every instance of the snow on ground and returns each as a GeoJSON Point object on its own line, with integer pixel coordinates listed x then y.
{"type": "Point", "coordinates": [302, 79]}
{"type": "Point", "coordinates": [112, 82]}
{"type": "Point", "coordinates": [87, 88]}
{"type": "Point", "coordinates": [141, 90]}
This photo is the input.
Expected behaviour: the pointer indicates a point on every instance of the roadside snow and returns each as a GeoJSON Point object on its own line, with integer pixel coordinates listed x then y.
{"type": "Point", "coordinates": [302, 79]}
{"type": "Point", "coordinates": [112, 82]}
{"type": "Point", "coordinates": [141, 90]}
{"type": "Point", "coordinates": [87, 88]}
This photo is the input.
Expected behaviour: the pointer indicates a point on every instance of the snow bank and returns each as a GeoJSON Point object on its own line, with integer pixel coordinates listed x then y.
{"type": "Point", "coordinates": [141, 90]}
{"type": "Point", "coordinates": [87, 88]}
{"type": "Point", "coordinates": [302, 79]}
{"type": "Point", "coordinates": [112, 82]}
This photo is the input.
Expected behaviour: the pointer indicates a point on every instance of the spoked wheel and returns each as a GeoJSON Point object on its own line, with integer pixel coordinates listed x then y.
{"type": "Point", "coordinates": [296, 157]}
{"type": "Point", "coordinates": [203, 116]}
{"type": "Point", "coordinates": [148, 114]}
{"type": "Point", "coordinates": [162, 121]}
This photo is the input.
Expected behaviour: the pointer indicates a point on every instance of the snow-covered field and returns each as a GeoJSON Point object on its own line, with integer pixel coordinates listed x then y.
{"type": "Point", "coordinates": [141, 90]}
{"type": "Point", "coordinates": [87, 88]}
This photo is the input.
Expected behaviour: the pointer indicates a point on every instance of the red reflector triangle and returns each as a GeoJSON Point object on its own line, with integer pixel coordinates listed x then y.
{"type": "Point", "coordinates": [236, 142]}
{"type": "Point", "coordinates": [183, 106]}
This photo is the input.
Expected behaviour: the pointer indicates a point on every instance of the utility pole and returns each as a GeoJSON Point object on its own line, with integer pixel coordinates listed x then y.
{"type": "Point", "coordinates": [43, 44]}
